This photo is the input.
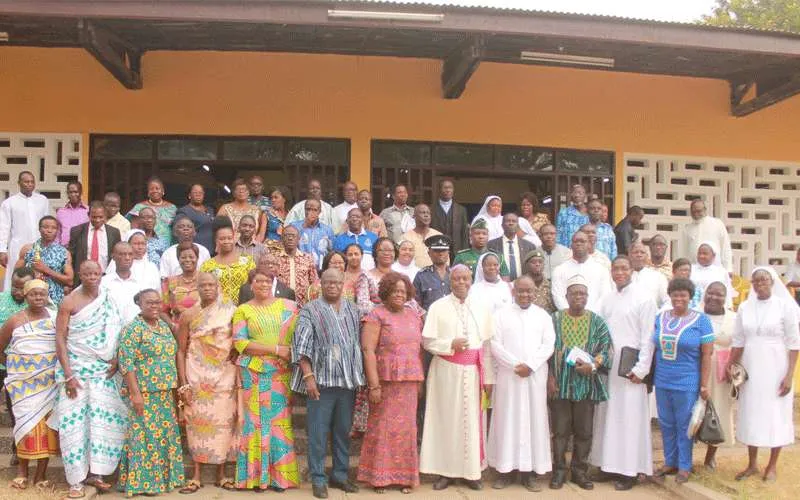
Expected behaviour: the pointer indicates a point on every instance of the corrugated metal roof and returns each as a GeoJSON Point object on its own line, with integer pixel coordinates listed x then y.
{"type": "Point", "coordinates": [476, 6]}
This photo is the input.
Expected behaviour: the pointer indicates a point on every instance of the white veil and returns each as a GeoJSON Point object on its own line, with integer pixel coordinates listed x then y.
{"type": "Point", "coordinates": [493, 224]}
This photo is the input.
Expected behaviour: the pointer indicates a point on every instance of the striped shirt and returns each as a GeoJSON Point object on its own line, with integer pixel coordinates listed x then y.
{"type": "Point", "coordinates": [330, 341]}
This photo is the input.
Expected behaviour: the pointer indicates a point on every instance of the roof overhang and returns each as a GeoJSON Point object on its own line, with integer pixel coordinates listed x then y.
{"type": "Point", "coordinates": [118, 32]}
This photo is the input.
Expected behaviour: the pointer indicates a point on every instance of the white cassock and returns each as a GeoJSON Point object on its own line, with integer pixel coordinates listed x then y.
{"type": "Point", "coordinates": [19, 226]}
{"type": "Point", "coordinates": [495, 295]}
{"type": "Point", "coordinates": [706, 229]}
{"type": "Point", "coordinates": [598, 278]}
{"type": "Point", "coordinates": [653, 282]}
{"type": "Point", "coordinates": [519, 436]}
{"type": "Point", "coordinates": [298, 213]}
{"type": "Point", "coordinates": [621, 441]}
{"type": "Point", "coordinates": [454, 435]}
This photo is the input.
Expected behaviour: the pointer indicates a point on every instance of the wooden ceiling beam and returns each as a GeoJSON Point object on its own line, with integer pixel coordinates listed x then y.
{"type": "Point", "coordinates": [459, 66]}
{"type": "Point", "coordinates": [118, 56]}
{"type": "Point", "coordinates": [768, 95]}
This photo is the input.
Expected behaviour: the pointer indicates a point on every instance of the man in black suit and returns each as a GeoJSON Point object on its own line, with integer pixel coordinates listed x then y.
{"type": "Point", "coordinates": [510, 246]}
{"type": "Point", "coordinates": [269, 263]}
{"type": "Point", "coordinates": [450, 218]}
{"type": "Point", "coordinates": [93, 240]}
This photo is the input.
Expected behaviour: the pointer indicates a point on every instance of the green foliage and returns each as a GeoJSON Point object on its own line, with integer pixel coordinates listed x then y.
{"type": "Point", "coordinates": [783, 15]}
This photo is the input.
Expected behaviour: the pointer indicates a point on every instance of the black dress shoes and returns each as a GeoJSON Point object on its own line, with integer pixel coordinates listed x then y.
{"type": "Point", "coordinates": [347, 486]}
{"type": "Point", "coordinates": [582, 482]}
{"type": "Point", "coordinates": [557, 481]}
{"type": "Point", "coordinates": [624, 483]}
{"type": "Point", "coordinates": [476, 485]}
{"type": "Point", "coordinates": [319, 490]}
{"type": "Point", "coordinates": [502, 482]}
{"type": "Point", "coordinates": [442, 483]}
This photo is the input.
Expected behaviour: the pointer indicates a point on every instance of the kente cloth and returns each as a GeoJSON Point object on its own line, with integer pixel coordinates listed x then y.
{"type": "Point", "coordinates": [91, 426]}
{"type": "Point", "coordinates": [30, 381]}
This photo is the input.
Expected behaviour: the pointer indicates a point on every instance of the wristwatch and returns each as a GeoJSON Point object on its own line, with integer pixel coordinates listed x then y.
{"type": "Point", "coordinates": [594, 367]}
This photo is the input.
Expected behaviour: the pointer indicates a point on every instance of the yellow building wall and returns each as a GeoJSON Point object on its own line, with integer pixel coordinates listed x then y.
{"type": "Point", "coordinates": [361, 98]}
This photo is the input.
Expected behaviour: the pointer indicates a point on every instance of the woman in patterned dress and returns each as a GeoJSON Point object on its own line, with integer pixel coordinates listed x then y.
{"type": "Point", "coordinates": [180, 292]}
{"type": "Point", "coordinates": [334, 260]}
{"type": "Point", "coordinates": [155, 243]}
{"type": "Point", "coordinates": [230, 268]}
{"type": "Point", "coordinates": [262, 330]}
{"type": "Point", "coordinates": [277, 213]}
{"type": "Point", "coordinates": [152, 458]}
{"type": "Point", "coordinates": [208, 381]}
{"type": "Point", "coordinates": [163, 210]}
{"type": "Point", "coordinates": [528, 206]}
{"type": "Point", "coordinates": [391, 339]}
{"type": "Point", "coordinates": [241, 206]}
{"type": "Point", "coordinates": [49, 260]}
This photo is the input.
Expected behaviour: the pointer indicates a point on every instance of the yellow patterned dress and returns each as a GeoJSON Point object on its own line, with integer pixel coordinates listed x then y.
{"type": "Point", "coordinates": [231, 277]}
{"type": "Point", "coordinates": [265, 457]}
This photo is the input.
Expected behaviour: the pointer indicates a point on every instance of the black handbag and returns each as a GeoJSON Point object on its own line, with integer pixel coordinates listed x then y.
{"type": "Point", "coordinates": [710, 431]}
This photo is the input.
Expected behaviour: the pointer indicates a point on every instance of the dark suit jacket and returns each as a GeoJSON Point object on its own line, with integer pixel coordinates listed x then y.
{"type": "Point", "coordinates": [525, 246]}
{"type": "Point", "coordinates": [281, 290]}
{"type": "Point", "coordinates": [453, 223]}
{"type": "Point", "coordinates": [79, 246]}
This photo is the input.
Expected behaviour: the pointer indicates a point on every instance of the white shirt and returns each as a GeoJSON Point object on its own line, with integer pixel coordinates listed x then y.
{"type": "Point", "coordinates": [123, 291]}
{"type": "Point", "coordinates": [517, 258]}
{"type": "Point", "coordinates": [654, 282]}
{"type": "Point", "coordinates": [102, 245]}
{"type": "Point", "coordinates": [145, 272]}
{"type": "Point", "coordinates": [410, 270]}
{"type": "Point", "coordinates": [298, 213]}
{"type": "Point", "coordinates": [19, 225]}
{"type": "Point", "coordinates": [446, 205]}
{"type": "Point", "coordinates": [706, 229]}
{"type": "Point", "coordinates": [340, 212]}
{"type": "Point", "coordinates": [601, 259]}
{"type": "Point", "coordinates": [554, 258]}
{"type": "Point", "coordinates": [170, 266]}
{"type": "Point", "coordinates": [598, 278]}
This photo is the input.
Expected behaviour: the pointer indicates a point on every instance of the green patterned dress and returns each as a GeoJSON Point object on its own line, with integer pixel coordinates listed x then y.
{"type": "Point", "coordinates": [152, 459]}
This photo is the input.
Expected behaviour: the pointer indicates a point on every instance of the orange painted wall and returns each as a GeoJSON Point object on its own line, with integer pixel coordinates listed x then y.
{"type": "Point", "coordinates": [360, 98]}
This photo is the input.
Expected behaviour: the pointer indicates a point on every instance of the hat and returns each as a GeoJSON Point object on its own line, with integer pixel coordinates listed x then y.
{"type": "Point", "coordinates": [479, 224]}
{"type": "Point", "coordinates": [533, 254]}
{"type": "Point", "coordinates": [577, 280]}
{"type": "Point", "coordinates": [438, 242]}
{"type": "Point", "coordinates": [34, 285]}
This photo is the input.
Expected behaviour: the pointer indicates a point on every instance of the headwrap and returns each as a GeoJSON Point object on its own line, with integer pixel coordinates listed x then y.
{"type": "Point", "coordinates": [34, 285]}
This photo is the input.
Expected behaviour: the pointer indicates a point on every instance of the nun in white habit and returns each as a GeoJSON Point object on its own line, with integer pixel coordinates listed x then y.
{"type": "Point", "coordinates": [766, 341]}
{"type": "Point", "coordinates": [708, 269]}
{"type": "Point", "coordinates": [491, 212]}
{"type": "Point", "coordinates": [488, 288]}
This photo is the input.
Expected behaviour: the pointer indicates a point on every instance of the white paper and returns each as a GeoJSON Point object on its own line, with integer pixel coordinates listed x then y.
{"type": "Point", "coordinates": [576, 353]}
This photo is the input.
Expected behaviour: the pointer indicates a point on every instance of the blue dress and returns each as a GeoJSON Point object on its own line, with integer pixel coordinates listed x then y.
{"type": "Point", "coordinates": [156, 247]}
{"type": "Point", "coordinates": [54, 256]}
{"type": "Point", "coordinates": [568, 222]}
{"type": "Point", "coordinates": [274, 226]}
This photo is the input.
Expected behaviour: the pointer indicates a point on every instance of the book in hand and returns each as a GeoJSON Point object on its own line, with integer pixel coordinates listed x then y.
{"type": "Point", "coordinates": [575, 354]}
{"type": "Point", "coordinates": [628, 357]}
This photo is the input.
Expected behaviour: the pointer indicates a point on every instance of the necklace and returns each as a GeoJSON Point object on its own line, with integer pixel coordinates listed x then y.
{"type": "Point", "coordinates": [151, 202]}
{"type": "Point", "coordinates": [759, 319]}
{"type": "Point", "coordinates": [188, 281]}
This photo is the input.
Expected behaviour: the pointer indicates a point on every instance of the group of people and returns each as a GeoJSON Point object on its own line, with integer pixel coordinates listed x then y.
{"type": "Point", "coordinates": [499, 341]}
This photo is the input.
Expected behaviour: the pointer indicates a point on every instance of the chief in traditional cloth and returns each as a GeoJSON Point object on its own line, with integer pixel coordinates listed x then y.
{"type": "Point", "coordinates": [519, 435]}
{"type": "Point", "coordinates": [90, 415]}
{"type": "Point", "coordinates": [622, 443]}
{"type": "Point", "coordinates": [208, 380]}
{"type": "Point", "coordinates": [576, 388]}
{"type": "Point", "coordinates": [30, 382]}
{"type": "Point", "coordinates": [456, 332]}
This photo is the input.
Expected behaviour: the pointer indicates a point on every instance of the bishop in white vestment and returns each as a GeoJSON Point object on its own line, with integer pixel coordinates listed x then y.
{"type": "Point", "coordinates": [519, 435]}
{"type": "Point", "coordinates": [19, 221]}
{"type": "Point", "coordinates": [456, 332]}
{"type": "Point", "coordinates": [621, 439]}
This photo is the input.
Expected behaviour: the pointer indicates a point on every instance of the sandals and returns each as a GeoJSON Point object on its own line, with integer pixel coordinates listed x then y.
{"type": "Point", "coordinates": [19, 483]}
{"type": "Point", "coordinates": [405, 490]}
{"type": "Point", "coordinates": [97, 483]}
{"type": "Point", "coordinates": [226, 484]}
{"type": "Point", "coordinates": [745, 474]}
{"type": "Point", "coordinates": [76, 492]}
{"type": "Point", "coordinates": [665, 471]}
{"type": "Point", "coordinates": [379, 490]}
{"type": "Point", "coordinates": [191, 487]}
{"type": "Point", "coordinates": [43, 485]}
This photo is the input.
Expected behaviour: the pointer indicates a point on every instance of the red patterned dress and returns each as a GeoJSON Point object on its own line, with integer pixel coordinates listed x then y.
{"type": "Point", "coordinates": [389, 452]}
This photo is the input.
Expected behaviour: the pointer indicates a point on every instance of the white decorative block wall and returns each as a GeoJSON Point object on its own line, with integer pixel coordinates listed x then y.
{"type": "Point", "coordinates": [759, 202]}
{"type": "Point", "coordinates": [54, 159]}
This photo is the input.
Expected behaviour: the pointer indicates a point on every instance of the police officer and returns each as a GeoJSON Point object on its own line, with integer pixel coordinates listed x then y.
{"type": "Point", "coordinates": [433, 282]}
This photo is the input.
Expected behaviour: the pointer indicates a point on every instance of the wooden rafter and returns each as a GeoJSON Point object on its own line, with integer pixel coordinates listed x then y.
{"type": "Point", "coordinates": [459, 66]}
{"type": "Point", "coordinates": [766, 95]}
{"type": "Point", "coordinates": [118, 56]}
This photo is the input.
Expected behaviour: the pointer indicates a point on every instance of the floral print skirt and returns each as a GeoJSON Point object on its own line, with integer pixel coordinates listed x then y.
{"type": "Point", "coordinates": [152, 458]}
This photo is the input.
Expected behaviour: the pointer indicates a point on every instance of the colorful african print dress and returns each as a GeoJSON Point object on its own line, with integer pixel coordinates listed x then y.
{"type": "Point", "coordinates": [178, 296]}
{"type": "Point", "coordinates": [210, 418]}
{"type": "Point", "coordinates": [235, 215]}
{"type": "Point", "coordinates": [55, 257]}
{"type": "Point", "coordinates": [31, 386]}
{"type": "Point", "coordinates": [231, 277]}
{"type": "Point", "coordinates": [152, 458]}
{"type": "Point", "coordinates": [165, 214]}
{"type": "Point", "coordinates": [266, 456]}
